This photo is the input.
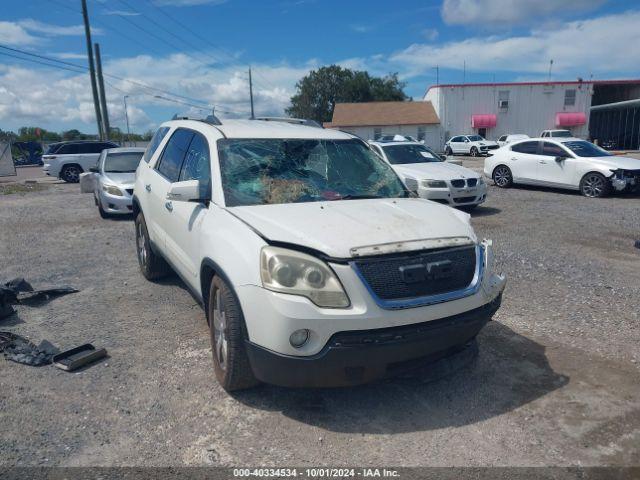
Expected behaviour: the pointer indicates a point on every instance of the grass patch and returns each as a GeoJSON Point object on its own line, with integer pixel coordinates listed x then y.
{"type": "Point", "coordinates": [21, 188]}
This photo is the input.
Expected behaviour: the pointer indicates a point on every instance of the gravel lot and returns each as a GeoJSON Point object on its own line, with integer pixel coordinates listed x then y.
{"type": "Point", "coordinates": [556, 380]}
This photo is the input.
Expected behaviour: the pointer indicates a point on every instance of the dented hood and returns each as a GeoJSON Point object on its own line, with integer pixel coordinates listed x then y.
{"type": "Point", "coordinates": [341, 228]}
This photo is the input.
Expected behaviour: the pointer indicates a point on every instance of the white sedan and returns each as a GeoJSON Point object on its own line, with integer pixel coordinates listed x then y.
{"type": "Point", "coordinates": [427, 174]}
{"type": "Point", "coordinates": [569, 163]}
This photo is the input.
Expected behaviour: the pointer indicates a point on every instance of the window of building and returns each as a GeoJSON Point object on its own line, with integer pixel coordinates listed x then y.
{"type": "Point", "coordinates": [422, 133]}
{"type": "Point", "coordinates": [503, 99]}
{"type": "Point", "coordinates": [569, 98]}
{"type": "Point", "coordinates": [377, 133]}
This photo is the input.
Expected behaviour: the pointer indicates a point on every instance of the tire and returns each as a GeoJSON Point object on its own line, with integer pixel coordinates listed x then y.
{"type": "Point", "coordinates": [502, 176]}
{"type": "Point", "coordinates": [230, 361]}
{"type": "Point", "coordinates": [71, 173]}
{"type": "Point", "coordinates": [152, 265]}
{"type": "Point", "coordinates": [103, 214]}
{"type": "Point", "coordinates": [474, 152]}
{"type": "Point", "coordinates": [448, 151]}
{"type": "Point", "coordinates": [594, 185]}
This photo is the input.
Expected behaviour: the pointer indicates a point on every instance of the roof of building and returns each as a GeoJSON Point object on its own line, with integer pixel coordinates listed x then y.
{"type": "Point", "coordinates": [382, 113]}
{"type": "Point", "coordinates": [559, 82]}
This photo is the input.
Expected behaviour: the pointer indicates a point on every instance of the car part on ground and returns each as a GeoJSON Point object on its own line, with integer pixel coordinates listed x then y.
{"type": "Point", "coordinates": [19, 290]}
{"type": "Point", "coordinates": [20, 350]}
{"type": "Point", "coordinates": [78, 357]}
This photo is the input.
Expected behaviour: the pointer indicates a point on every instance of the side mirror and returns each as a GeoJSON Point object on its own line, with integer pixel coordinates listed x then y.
{"type": "Point", "coordinates": [560, 158]}
{"type": "Point", "coordinates": [187, 191]}
{"type": "Point", "coordinates": [94, 169]}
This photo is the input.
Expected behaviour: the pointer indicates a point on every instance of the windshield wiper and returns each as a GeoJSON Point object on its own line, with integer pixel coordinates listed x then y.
{"type": "Point", "coordinates": [350, 196]}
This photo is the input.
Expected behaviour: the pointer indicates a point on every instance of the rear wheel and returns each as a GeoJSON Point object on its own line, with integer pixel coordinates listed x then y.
{"type": "Point", "coordinates": [71, 173]}
{"type": "Point", "coordinates": [152, 265]}
{"type": "Point", "coordinates": [230, 361]}
{"type": "Point", "coordinates": [594, 185]}
{"type": "Point", "coordinates": [502, 176]}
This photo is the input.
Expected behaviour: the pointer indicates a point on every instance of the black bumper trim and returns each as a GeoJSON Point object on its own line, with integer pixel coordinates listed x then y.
{"type": "Point", "coordinates": [360, 356]}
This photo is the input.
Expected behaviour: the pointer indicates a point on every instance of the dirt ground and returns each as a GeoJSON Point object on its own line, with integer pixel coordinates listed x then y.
{"type": "Point", "coordinates": [555, 380]}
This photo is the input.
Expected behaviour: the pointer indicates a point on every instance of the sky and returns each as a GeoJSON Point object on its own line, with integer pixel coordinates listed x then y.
{"type": "Point", "coordinates": [198, 52]}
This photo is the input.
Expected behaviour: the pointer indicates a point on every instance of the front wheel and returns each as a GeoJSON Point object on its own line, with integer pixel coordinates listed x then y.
{"type": "Point", "coordinates": [230, 361]}
{"type": "Point", "coordinates": [474, 152]}
{"type": "Point", "coordinates": [448, 151]}
{"type": "Point", "coordinates": [502, 176]}
{"type": "Point", "coordinates": [594, 185]}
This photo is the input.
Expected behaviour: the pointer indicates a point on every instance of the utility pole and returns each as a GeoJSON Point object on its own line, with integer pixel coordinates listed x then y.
{"type": "Point", "coordinates": [92, 70]}
{"type": "Point", "coordinates": [550, 66]}
{"type": "Point", "coordinates": [437, 75]}
{"type": "Point", "coordinates": [103, 94]}
{"type": "Point", "coordinates": [126, 116]}
{"type": "Point", "coordinates": [251, 93]}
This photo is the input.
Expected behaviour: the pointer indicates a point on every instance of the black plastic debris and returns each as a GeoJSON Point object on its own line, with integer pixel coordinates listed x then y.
{"type": "Point", "coordinates": [19, 290]}
{"type": "Point", "coordinates": [637, 243]}
{"type": "Point", "coordinates": [78, 357]}
{"type": "Point", "coordinates": [20, 350]}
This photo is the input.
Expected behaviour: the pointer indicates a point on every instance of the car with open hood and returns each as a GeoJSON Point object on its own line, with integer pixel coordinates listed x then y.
{"type": "Point", "coordinates": [314, 264]}
{"type": "Point", "coordinates": [427, 174]}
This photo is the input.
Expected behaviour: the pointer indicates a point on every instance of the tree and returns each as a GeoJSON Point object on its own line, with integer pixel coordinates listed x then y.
{"type": "Point", "coordinates": [318, 92]}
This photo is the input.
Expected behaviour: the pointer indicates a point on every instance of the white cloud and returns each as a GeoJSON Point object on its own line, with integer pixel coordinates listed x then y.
{"type": "Point", "coordinates": [14, 34]}
{"type": "Point", "coordinates": [187, 3]}
{"type": "Point", "coordinates": [431, 34]}
{"type": "Point", "coordinates": [480, 12]}
{"type": "Point", "coordinates": [579, 47]}
{"type": "Point", "coordinates": [121, 13]}
{"type": "Point", "coordinates": [361, 28]}
{"type": "Point", "coordinates": [54, 30]}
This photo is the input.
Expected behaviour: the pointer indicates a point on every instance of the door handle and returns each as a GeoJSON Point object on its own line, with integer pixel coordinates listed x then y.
{"type": "Point", "coordinates": [544, 162]}
{"type": "Point", "coordinates": [169, 206]}
{"type": "Point", "coordinates": [147, 187]}
{"type": "Point", "coordinates": [514, 159]}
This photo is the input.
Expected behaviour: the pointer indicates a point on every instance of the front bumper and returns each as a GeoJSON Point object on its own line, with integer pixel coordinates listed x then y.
{"type": "Point", "coordinates": [360, 356]}
{"type": "Point", "coordinates": [116, 205]}
{"type": "Point", "coordinates": [455, 197]}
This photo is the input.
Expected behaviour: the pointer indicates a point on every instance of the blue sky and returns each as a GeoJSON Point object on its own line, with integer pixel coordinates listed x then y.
{"type": "Point", "coordinates": [201, 49]}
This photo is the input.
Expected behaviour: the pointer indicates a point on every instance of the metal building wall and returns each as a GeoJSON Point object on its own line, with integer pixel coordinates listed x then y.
{"type": "Point", "coordinates": [532, 108]}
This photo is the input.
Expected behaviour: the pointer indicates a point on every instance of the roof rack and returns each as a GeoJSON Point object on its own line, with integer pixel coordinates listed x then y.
{"type": "Point", "coordinates": [298, 121]}
{"type": "Point", "coordinates": [210, 119]}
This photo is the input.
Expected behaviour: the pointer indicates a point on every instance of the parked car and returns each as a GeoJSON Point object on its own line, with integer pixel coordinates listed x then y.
{"type": "Point", "coordinates": [427, 174]}
{"type": "Point", "coordinates": [569, 163]}
{"type": "Point", "coordinates": [504, 139]}
{"type": "Point", "coordinates": [314, 264]}
{"type": "Point", "coordinates": [556, 134]}
{"type": "Point", "coordinates": [67, 160]}
{"type": "Point", "coordinates": [473, 145]}
{"type": "Point", "coordinates": [113, 180]}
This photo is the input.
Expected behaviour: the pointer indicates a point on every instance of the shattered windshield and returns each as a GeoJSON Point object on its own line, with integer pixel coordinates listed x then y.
{"type": "Point", "coordinates": [266, 171]}
{"type": "Point", "coordinates": [122, 162]}
{"type": "Point", "coordinates": [405, 154]}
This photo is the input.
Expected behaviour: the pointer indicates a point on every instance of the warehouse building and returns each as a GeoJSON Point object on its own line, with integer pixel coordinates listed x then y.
{"type": "Point", "coordinates": [495, 109]}
{"type": "Point", "coordinates": [372, 120]}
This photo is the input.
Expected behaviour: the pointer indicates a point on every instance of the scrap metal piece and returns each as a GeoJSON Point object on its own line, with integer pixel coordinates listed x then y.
{"type": "Point", "coordinates": [20, 350]}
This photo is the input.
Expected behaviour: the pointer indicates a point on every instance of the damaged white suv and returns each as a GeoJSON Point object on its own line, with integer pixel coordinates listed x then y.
{"type": "Point", "coordinates": [314, 265]}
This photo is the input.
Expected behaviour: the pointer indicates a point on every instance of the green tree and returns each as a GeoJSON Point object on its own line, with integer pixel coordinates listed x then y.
{"type": "Point", "coordinates": [318, 92]}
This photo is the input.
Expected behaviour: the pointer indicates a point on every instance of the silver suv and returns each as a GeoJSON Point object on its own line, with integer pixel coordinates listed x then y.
{"type": "Point", "coordinates": [67, 160]}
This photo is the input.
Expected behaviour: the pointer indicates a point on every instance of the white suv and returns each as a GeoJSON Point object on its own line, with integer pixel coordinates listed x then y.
{"type": "Point", "coordinates": [67, 160]}
{"type": "Point", "coordinates": [314, 264]}
{"type": "Point", "coordinates": [473, 145]}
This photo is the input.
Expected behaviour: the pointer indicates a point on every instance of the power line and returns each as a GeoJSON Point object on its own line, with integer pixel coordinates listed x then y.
{"type": "Point", "coordinates": [41, 63]}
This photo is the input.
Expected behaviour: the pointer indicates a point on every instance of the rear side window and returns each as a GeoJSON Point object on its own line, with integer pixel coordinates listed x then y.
{"type": "Point", "coordinates": [91, 147]}
{"type": "Point", "coordinates": [174, 152]}
{"type": "Point", "coordinates": [68, 149]}
{"type": "Point", "coordinates": [155, 142]}
{"type": "Point", "coordinates": [526, 147]}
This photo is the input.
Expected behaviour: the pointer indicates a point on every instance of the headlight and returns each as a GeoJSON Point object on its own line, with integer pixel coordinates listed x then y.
{"type": "Point", "coordinates": [434, 183]}
{"type": "Point", "coordinates": [288, 271]}
{"type": "Point", "coordinates": [112, 190]}
{"type": "Point", "coordinates": [480, 181]}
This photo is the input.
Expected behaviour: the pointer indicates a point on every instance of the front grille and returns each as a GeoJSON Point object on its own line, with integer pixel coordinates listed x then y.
{"type": "Point", "coordinates": [387, 277]}
{"type": "Point", "coordinates": [464, 199]}
{"type": "Point", "coordinates": [471, 182]}
{"type": "Point", "coordinates": [458, 183]}
{"type": "Point", "coordinates": [493, 147]}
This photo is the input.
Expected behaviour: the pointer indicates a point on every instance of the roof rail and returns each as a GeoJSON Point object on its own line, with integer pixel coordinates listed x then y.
{"type": "Point", "coordinates": [210, 119]}
{"type": "Point", "coordinates": [298, 121]}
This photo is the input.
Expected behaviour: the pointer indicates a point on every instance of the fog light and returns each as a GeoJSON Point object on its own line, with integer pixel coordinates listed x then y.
{"type": "Point", "coordinates": [299, 338]}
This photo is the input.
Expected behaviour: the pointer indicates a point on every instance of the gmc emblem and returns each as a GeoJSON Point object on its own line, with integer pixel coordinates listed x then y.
{"type": "Point", "coordinates": [419, 272]}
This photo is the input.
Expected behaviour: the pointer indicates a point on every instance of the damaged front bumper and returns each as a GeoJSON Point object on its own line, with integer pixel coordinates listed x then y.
{"type": "Point", "coordinates": [625, 180]}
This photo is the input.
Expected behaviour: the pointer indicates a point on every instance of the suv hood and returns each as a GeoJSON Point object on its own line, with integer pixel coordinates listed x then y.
{"type": "Point", "coordinates": [435, 171]}
{"type": "Point", "coordinates": [616, 162]}
{"type": "Point", "coordinates": [335, 228]}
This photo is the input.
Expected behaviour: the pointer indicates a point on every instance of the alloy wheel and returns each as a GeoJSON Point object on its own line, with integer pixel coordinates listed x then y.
{"type": "Point", "coordinates": [502, 176]}
{"type": "Point", "coordinates": [593, 186]}
{"type": "Point", "coordinates": [219, 331]}
{"type": "Point", "coordinates": [72, 174]}
{"type": "Point", "coordinates": [141, 244]}
{"type": "Point", "coordinates": [474, 152]}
